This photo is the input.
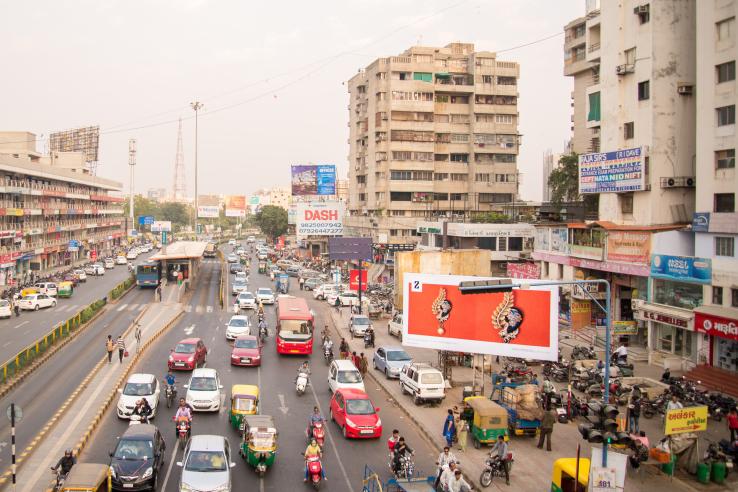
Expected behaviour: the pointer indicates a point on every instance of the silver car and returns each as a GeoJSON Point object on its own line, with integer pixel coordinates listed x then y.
{"type": "Point", "coordinates": [206, 465]}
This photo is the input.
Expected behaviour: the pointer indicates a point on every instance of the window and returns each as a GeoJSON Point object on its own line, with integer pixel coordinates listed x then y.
{"type": "Point", "coordinates": [724, 246]}
{"type": "Point", "coordinates": [483, 178]}
{"type": "Point", "coordinates": [441, 118]}
{"type": "Point", "coordinates": [379, 196]}
{"type": "Point", "coordinates": [422, 175]}
{"type": "Point", "coordinates": [725, 159]}
{"type": "Point", "coordinates": [380, 156]}
{"type": "Point", "coordinates": [677, 294]}
{"type": "Point", "coordinates": [726, 115]}
{"type": "Point", "coordinates": [381, 96]}
{"type": "Point", "coordinates": [458, 177]}
{"type": "Point", "coordinates": [717, 296]}
{"type": "Point", "coordinates": [515, 244]}
{"type": "Point", "coordinates": [423, 76]}
{"type": "Point", "coordinates": [486, 79]}
{"type": "Point", "coordinates": [459, 118]}
{"type": "Point", "coordinates": [484, 118]}
{"type": "Point", "coordinates": [725, 202]}
{"type": "Point", "coordinates": [505, 119]}
{"type": "Point", "coordinates": [440, 157]}
{"type": "Point", "coordinates": [628, 130]}
{"type": "Point", "coordinates": [594, 107]}
{"type": "Point", "coordinates": [440, 177]}
{"type": "Point", "coordinates": [644, 90]}
{"type": "Point", "coordinates": [362, 197]}
{"type": "Point", "coordinates": [644, 13]}
{"type": "Point", "coordinates": [626, 203]}
{"type": "Point", "coordinates": [734, 297]}
{"type": "Point", "coordinates": [412, 96]}
{"type": "Point", "coordinates": [397, 213]}
{"type": "Point", "coordinates": [630, 56]}
{"type": "Point", "coordinates": [394, 232]}
{"type": "Point", "coordinates": [459, 137]}
{"type": "Point", "coordinates": [458, 197]}
{"type": "Point", "coordinates": [361, 179]}
{"type": "Point", "coordinates": [724, 29]}
{"type": "Point", "coordinates": [725, 72]}
{"type": "Point", "coordinates": [507, 81]}
{"type": "Point", "coordinates": [460, 158]}
{"type": "Point", "coordinates": [400, 196]}
{"type": "Point", "coordinates": [401, 175]}
{"type": "Point", "coordinates": [440, 196]}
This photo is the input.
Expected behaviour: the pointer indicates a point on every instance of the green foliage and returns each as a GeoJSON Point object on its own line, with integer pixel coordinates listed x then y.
{"type": "Point", "coordinates": [491, 218]}
{"type": "Point", "coordinates": [272, 221]}
{"type": "Point", "coordinates": [564, 179]}
{"type": "Point", "coordinates": [180, 214]}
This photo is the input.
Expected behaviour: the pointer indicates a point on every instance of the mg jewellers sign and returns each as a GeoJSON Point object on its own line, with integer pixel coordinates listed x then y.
{"type": "Point", "coordinates": [716, 326]}
{"type": "Point", "coordinates": [319, 219]}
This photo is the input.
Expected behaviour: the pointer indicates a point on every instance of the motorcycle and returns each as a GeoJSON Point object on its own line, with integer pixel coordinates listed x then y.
{"type": "Point", "coordinates": [715, 453]}
{"type": "Point", "coordinates": [301, 383]}
{"type": "Point", "coordinates": [318, 433]}
{"type": "Point", "coordinates": [493, 467]}
{"type": "Point", "coordinates": [170, 392]}
{"type": "Point", "coordinates": [263, 333]}
{"type": "Point", "coordinates": [137, 419]}
{"type": "Point", "coordinates": [315, 474]}
{"type": "Point", "coordinates": [368, 339]}
{"type": "Point", "coordinates": [581, 352]}
{"type": "Point", "coordinates": [328, 355]}
{"type": "Point", "coordinates": [59, 480]}
{"type": "Point", "coordinates": [407, 467]}
{"type": "Point", "coordinates": [183, 431]}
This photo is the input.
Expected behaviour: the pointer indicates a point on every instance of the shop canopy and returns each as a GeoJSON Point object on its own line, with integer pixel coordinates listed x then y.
{"type": "Point", "coordinates": [181, 250]}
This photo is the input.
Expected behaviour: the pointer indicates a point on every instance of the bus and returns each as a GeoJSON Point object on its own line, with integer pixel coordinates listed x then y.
{"type": "Point", "coordinates": [147, 274]}
{"type": "Point", "coordinates": [294, 326]}
{"type": "Point", "coordinates": [209, 251]}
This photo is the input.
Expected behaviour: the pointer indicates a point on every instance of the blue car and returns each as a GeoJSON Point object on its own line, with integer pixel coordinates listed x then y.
{"type": "Point", "coordinates": [391, 360]}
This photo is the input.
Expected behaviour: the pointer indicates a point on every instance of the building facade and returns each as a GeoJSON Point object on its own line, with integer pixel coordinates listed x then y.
{"type": "Point", "coordinates": [53, 213]}
{"type": "Point", "coordinates": [432, 132]}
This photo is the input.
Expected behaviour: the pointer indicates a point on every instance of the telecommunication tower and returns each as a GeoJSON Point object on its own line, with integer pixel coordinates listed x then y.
{"type": "Point", "coordinates": [179, 191]}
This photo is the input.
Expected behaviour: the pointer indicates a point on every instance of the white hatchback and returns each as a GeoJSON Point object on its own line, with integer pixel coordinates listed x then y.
{"type": "Point", "coordinates": [343, 374]}
{"type": "Point", "coordinates": [34, 302]}
{"type": "Point", "coordinates": [204, 391]}
{"type": "Point", "coordinates": [137, 387]}
{"type": "Point", "coordinates": [5, 311]}
{"type": "Point", "coordinates": [236, 326]}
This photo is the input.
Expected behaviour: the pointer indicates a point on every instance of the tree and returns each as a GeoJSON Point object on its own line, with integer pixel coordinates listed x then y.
{"type": "Point", "coordinates": [491, 218]}
{"type": "Point", "coordinates": [272, 220]}
{"type": "Point", "coordinates": [178, 213]}
{"type": "Point", "coordinates": [564, 179]}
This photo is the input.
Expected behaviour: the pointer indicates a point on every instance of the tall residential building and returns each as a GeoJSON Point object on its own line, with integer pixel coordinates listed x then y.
{"type": "Point", "coordinates": [280, 197]}
{"type": "Point", "coordinates": [342, 190]}
{"type": "Point", "coordinates": [433, 131]}
{"type": "Point", "coordinates": [550, 161]}
{"type": "Point", "coordinates": [716, 221]}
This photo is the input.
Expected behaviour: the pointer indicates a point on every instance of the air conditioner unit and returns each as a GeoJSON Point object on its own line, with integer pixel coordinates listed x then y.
{"type": "Point", "coordinates": [685, 89]}
{"type": "Point", "coordinates": [678, 182]}
{"type": "Point", "coordinates": [620, 70]}
{"type": "Point", "coordinates": [641, 9]}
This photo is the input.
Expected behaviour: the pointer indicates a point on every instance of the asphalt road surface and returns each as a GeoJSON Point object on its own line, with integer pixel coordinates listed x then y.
{"type": "Point", "coordinates": [344, 460]}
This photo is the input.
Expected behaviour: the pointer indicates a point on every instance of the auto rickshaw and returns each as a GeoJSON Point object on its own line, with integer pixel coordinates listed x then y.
{"type": "Point", "coordinates": [564, 470]}
{"type": "Point", "coordinates": [244, 401]}
{"type": "Point", "coordinates": [65, 289]}
{"type": "Point", "coordinates": [487, 420]}
{"type": "Point", "coordinates": [262, 266]}
{"type": "Point", "coordinates": [88, 477]}
{"type": "Point", "coordinates": [28, 291]}
{"type": "Point", "coordinates": [259, 442]}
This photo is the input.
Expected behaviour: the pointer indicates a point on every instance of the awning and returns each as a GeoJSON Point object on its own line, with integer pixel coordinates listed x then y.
{"type": "Point", "coordinates": [717, 321]}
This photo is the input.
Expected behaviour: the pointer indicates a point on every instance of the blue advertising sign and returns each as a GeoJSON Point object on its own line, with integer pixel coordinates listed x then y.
{"type": "Point", "coordinates": [682, 268]}
{"type": "Point", "coordinates": [73, 243]}
{"type": "Point", "coordinates": [612, 172]}
{"type": "Point", "coordinates": [145, 219]}
{"type": "Point", "coordinates": [701, 222]}
{"type": "Point", "coordinates": [326, 180]}
{"type": "Point", "coordinates": [309, 180]}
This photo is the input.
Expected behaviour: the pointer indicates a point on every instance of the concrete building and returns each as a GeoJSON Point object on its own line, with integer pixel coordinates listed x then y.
{"type": "Point", "coordinates": [280, 197]}
{"type": "Point", "coordinates": [52, 211]}
{"type": "Point", "coordinates": [157, 194]}
{"type": "Point", "coordinates": [550, 161]}
{"type": "Point", "coordinates": [342, 190]}
{"type": "Point", "coordinates": [432, 132]}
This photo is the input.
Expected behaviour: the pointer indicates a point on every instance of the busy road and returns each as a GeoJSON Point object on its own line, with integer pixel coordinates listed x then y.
{"type": "Point", "coordinates": [344, 459]}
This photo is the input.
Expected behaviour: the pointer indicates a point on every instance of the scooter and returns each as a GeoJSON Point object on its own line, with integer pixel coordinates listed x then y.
{"type": "Point", "coordinates": [170, 392]}
{"type": "Point", "coordinates": [319, 433]}
{"type": "Point", "coordinates": [301, 383]}
{"type": "Point", "coordinates": [368, 339]}
{"type": "Point", "coordinates": [183, 432]}
{"type": "Point", "coordinates": [315, 471]}
{"type": "Point", "coordinates": [328, 355]}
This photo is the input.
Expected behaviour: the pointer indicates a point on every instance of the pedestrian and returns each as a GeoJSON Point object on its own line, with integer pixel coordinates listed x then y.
{"type": "Point", "coordinates": [733, 424]}
{"type": "Point", "coordinates": [179, 278]}
{"type": "Point", "coordinates": [157, 293]}
{"type": "Point", "coordinates": [363, 364]}
{"type": "Point", "coordinates": [138, 336]}
{"type": "Point", "coordinates": [343, 348]}
{"type": "Point", "coordinates": [110, 346]}
{"type": "Point", "coordinates": [449, 428]}
{"type": "Point", "coordinates": [462, 432]}
{"type": "Point", "coordinates": [634, 413]}
{"type": "Point", "coordinates": [121, 347]}
{"type": "Point", "coordinates": [674, 404]}
{"type": "Point", "coordinates": [355, 359]}
{"type": "Point", "coordinates": [547, 425]}
{"type": "Point", "coordinates": [302, 283]}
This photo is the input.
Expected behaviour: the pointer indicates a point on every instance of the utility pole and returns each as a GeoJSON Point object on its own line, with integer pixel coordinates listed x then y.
{"type": "Point", "coordinates": [196, 106]}
{"type": "Point", "coordinates": [131, 165]}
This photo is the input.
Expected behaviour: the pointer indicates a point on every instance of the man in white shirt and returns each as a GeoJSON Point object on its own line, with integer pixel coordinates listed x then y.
{"type": "Point", "coordinates": [446, 475]}
{"type": "Point", "coordinates": [443, 461]}
{"type": "Point", "coordinates": [621, 353]}
{"type": "Point", "coordinates": [457, 483]}
{"type": "Point", "coordinates": [674, 404]}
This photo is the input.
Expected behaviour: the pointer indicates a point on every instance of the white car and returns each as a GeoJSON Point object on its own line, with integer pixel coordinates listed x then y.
{"type": "Point", "coordinates": [81, 275]}
{"type": "Point", "coordinates": [132, 254]}
{"type": "Point", "coordinates": [206, 464]}
{"type": "Point", "coordinates": [97, 269]}
{"type": "Point", "coordinates": [204, 390]}
{"type": "Point", "coordinates": [48, 288]}
{"type": "Point", "coordinates": [232, 258]}
{"type": "Point", "coordinates": [238, 287]}
{"type": "Point", "coordinates": [34, 302]}
{"type": "Point", "coordinates": [394, 326]}
{"type": "Point", "coordinates": [241, 277]}
{"type": "Point", "coordinates": [343, 374]}
{"type": "Point", "coordinates": [324, 290]}
{"type": "Point", "coordinates": [109, 263]}
{"type": "Point", "coordinates": [265, 295]}
{"type": "Point", "coordinates": [348, 298]}
{"type": "Point", "coordinates": [5, 311]}
{"type": "Point", "coordinates": [236, 326]}
{"type": "Point", "coordinates": [231, 242]}
{"type": "Point", "coordinates": [121, 260]}
{"type": "Point", "coordinates": [358, 325]}
{"type": "Point", "coordinates": [137, 387]}
{"type": "Point", "coordinates": [245, 300]}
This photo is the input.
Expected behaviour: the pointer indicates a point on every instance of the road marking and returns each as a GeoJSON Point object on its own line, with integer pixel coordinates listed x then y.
{"type": "Point", "coordinates": [122, 307]}
{"type": "Point", "coordinates": [332, 441]}
{"type": "Point", "coordinates": [5, 345]}
{"type": "Point", "coordinates": [209, 309]}
{"type": "Point", "coordinates": [189, 330]}
{"type": "Point", "coordinates": [21, 324]}
{"type": "Point", "coordinates": [282, 407]}
{"type": "Point", "coordinates": [169, 469]}
{"type": "Point", "coordinates": [188, 308]}
{"type": "Point", "coordinates": [134, 307]}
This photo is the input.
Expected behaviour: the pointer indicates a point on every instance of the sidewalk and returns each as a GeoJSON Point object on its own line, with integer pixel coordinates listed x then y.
{"type": "Point", "coordinates": [531, 471]}
{"type": "Point", "coordinates": [79, 418]}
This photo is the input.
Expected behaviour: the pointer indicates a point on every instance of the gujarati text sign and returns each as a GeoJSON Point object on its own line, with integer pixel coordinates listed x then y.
{"type": "Point", "coordinates": [690, 419]}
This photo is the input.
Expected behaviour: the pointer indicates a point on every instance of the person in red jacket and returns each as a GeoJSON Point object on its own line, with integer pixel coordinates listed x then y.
{"type": "Point", "coordinates": [733, 424]}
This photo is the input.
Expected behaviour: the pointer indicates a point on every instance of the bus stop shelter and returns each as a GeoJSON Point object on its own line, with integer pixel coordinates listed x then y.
{"type": "Point", "coordinates": [181, 256]}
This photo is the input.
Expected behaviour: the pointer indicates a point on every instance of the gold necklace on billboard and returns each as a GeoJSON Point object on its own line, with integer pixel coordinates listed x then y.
{"type": "Point", "coordinates": [507, 318]}
{"type": "Point", "coordinates": [441, 308]}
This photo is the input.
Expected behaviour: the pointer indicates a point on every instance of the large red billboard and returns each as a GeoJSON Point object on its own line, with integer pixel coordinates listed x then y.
{"type": "Point", "coordinates": [520, 323]}
{"type": "Point", "coordinates": [354, 280]}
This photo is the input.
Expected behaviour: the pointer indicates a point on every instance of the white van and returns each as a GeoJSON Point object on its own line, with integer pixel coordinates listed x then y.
{"type": "Point", "coordinates": [48, 288]}
{"type": "Point", "coordinates": [423, 382]}
{"type": "Point", "coordinates": [343, 374]}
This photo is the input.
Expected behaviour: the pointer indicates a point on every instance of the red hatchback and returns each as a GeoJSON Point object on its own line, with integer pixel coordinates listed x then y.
{"type": "Point", "coordinates": [246, 351]}
{"type": "Point", "coordinates": [188, 354]}
{"type": "Point", "coordinates": [355, 414]}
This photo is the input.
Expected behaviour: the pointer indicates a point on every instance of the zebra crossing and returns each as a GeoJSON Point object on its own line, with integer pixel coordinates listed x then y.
{"type": "Point", "coordinates": [72, 308]}
{"type": "Point", "coordinates": [199, 309]}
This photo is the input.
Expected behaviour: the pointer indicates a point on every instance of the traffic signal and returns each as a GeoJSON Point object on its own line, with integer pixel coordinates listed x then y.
{"type": "Point", "coordinates": [604, 426]}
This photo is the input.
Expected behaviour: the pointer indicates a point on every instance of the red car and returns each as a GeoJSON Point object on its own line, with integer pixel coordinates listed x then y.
{"type": "Point", "coordinates": [246, 351]}
{"type": "Point", "coordinates": [355, 414]}
{"type": "Point", "coordinates": [188, 354]}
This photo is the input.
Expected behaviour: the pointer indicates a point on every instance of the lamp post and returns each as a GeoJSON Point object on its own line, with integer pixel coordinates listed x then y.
{"type": "Point", "coordinates": [196, 106]}
{"type": "Point", "coordinates": [131, 165]}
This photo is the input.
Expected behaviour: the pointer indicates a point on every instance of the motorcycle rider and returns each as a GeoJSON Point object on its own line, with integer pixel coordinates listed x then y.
{"type": "Point", "coordinates": [183, 410]}
{"type": "Point", "coordinates": [262, 326]}
{"type": "Point", "coordinates": [369, 334]}
{"type": "Point", "coordinates": [313, 450]}
{"type": "Point", "coordinates": [445, 475]}
{"type": "Point", "coordinates": [547, 389]}
{"type": "Point", "coordinates": [315, 417]}
{"type": "Point", "coordinates": [444, 459]}
{"type": "Point", "coordinates": [328, 346]}
{"type": "Point", "coordinates": [170, 380]}
{"type": "Point", "coordinates": [392, 441]}
{"type": "Point", "coordinates": [499, 451]}
{"type": "Point", "coordinates": [621, 354]}
{"type": "Point", "coordinates": [66, 463]}
{"type": "Point", "coordinates": [401, 449]}
{"type": "Point", "coordinates": [143, 410]}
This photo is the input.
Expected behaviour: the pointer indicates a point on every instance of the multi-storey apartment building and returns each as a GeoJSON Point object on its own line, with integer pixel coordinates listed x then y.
{"type": "Point", "coordinates": [433, 131]}
{"type": "Point", "coordinates": [52, 211]}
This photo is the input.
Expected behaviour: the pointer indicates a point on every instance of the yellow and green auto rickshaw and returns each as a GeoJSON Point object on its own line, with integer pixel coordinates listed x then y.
{"type": "Point", "coordinates": [259, 442]}
{"type": "Point", "coordinates": [88, 477]}
{"type": "Point", "coordinates": [64, 289]}
{"type": "Point", "coordinates": [28, 291]}
{"type": "Point", "coordinates": [487, 420]}
{"type": "Point", "coordinates": [244, 401]}
{"type": "Point", "coordinates": [262, 266]}
{"type": "Point", "coordinates": [564, 471]}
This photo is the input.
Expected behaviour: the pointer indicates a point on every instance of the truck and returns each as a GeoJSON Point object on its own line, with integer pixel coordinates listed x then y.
{"type": "Point", "coordinates": [522, 410]}
{"type": "Point", "coordinates": [209, 251]}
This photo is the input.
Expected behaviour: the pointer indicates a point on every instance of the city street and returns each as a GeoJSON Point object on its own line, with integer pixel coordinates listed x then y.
{"type": "Point", "coordinates": [344, 460]}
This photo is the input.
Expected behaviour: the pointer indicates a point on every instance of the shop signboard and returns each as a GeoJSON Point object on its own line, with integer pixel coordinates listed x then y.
{"type": "Point", "coordinates": [648, 315]}
{"type": "Point", "coordinates": [629, 246]}
{"type": "Point", "coordinates": [560, 240]}
{"type": "Point", "coordinates": [701, 222]}
{"type": "Point", "coordinates": [682, 420]}
{"type": "Point", "coordinates": [235, 206]}
{"type": "Point", "coordinates": [542, 239]}
{"type": "Point", "coordinates": [717, 326]}
{"type": "Point", "coordinates": [144, 220]}
{"type": "Point", "coordinates": [354, 280]}
{"type": "Point", "coordinates": [520, 323]}
{"type": "Point", "coordinates": [208, 206]}
{"type": "Point", "coordinates": [314, 180]}
{"type": "Point", "coordinates": [523, 270]}
{"type": "Point", "coordinates": [612, 172]}
{"type": "Point", "coordinates": [587, 252]}
{"type": "Point", "coordinates": [161, 226]}
{"type": "Point", "coordinates": [624, 327]}
{"type": "Point", "coordinates": [319, 218]}
{"type": "Point", "coordinates": [581, 314]}
{"type": "Point", "coordinates": [682, 268]}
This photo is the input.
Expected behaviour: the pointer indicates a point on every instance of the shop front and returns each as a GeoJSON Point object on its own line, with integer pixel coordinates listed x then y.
{"type": "Point", "coordinates": [720, 324]}
{"type": "Point", "coordinates": [672, 340]}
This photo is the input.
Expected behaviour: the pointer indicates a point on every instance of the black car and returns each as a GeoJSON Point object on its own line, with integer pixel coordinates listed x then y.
{"type": "Point", "coordinates": [236, 267]}
{"type": "Point", "coordinates": [137, 459]}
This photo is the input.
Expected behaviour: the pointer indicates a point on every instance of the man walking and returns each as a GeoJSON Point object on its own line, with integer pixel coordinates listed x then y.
{"type": "Point", "coordinates": [121, 347]}
{"type": "Point", "coordinates": [634, 413]}
{"type": "Point", "coordinates": [110, 346]}
{"type": "Point", "coordinates": [363, 364]}
{"type": "Point", "coordinates": [547, 425]}
{"type": "Point", "coordinates": [302, 283]}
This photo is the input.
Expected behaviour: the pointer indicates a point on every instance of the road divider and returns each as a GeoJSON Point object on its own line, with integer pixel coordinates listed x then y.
{"type": "Point", "coordinates": [122, 288]}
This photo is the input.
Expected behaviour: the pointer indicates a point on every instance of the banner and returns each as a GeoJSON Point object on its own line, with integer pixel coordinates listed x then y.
{"type": "Point", "coordinates": [581, 314]}
{"type": "Point", "coordinates": [161, 226]}
{"type": "Point", "coordinates": [319, 219]}
{"type": "Point", "coordinates": [235, 206]}
{"type": "Point", "coordinates": [629, 246]}
{"type": "Point", "coordinates": [612, 172]}
{"type": "Point", "coordinates": [560, 240]}
{"type": "Point", "coordinates": [682, 268]}
{"type": "Point", "coordinates": [350, 248]}
{"type": "Point", "coordinates": [314, 180]}
{"type": "Point", "coordinates": [208, 206]}
{"type": "Point", "coordinates": [624, 328]}
{"type": "Point", "coordinates": [690, 419]}
{"type": "Point", "coordinates": [354, 280]}
{"type": "Point", "coordinates": [521, 323]}
{"type": "Point", "coordinates": [714, 325]}
{"type": "Point", "coordinates": [523, 270]}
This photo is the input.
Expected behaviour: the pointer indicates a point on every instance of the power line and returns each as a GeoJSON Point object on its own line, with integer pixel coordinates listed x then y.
{"type": "Point", "coordinates": [531, 42]}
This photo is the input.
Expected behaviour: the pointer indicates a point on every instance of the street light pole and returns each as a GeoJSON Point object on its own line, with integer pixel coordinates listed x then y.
{"type": "Point", "coordinates": [131, 165]}
{"type": "Point", "coordinates": [196, 106]}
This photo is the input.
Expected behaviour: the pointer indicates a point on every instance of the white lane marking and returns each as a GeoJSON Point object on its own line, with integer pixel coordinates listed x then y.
{"type": "Point", "coordinates": [198, 310]}
{"type": "Point", "coordinates": [189, 330]}
{"type": "Point", "coordinates": [209, 309]}
{"type": "Point", "coordinates": [6, 344]}
{"type": "Point", "coordinates": [188, 308]}
{"type": "Point", "coordinates": [332, 441]}
{"type": "Point", "coordinates": [171, 463]}
{"type": "Point", "coordinates": [122, 307]}
{"type": "Point", "coordinates": [282, 407]}
{"type": "Point", "coordinates": [21, 324]}
{"type": "Point", "coordinates": [133, 307]}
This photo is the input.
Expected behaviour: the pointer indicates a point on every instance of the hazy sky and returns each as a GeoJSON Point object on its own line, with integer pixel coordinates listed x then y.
{"type": "Point", "coordinates": [271, 76]}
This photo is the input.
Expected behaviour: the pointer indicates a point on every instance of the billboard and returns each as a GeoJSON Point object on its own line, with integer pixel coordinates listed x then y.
{"type": "Point", "coordinates": [85, 140]}
{"type": "Point", "coordinates": [682, 268]}
{"type": "Point", "coordinates": [144, 220]}
{"type": "Point", "coordinates": [350, 248]}
{"type": "Point", "coordinates": [208, 206]}
{"type": "Point", "coordinates": [612, 172]}
{"type": "Point", "coordinates": [161, 226]}
{"type": "Point", "coordinates": [523, 270]}
{"type": "Point", "coordinates": [235, 206]}
{"type": "Point", "coordinates": [521, 323]}
{"type": "Point", "coordinates": [314, 180]}
{"type": "Point", "coordinates": [629, 246]}
{"type": "Point", "coordinates": [354, 280]}
{"type": "Point", "coordinates": [319, 219]}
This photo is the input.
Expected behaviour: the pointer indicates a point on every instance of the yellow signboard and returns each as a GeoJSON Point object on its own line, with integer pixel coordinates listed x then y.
{"type": "Point", "coordinates": [690, 419]}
